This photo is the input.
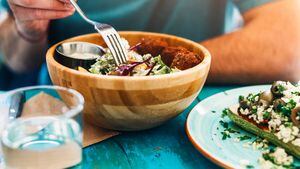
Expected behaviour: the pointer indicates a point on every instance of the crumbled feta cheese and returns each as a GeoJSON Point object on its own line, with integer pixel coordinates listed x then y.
{"type": "Point", "coordinates": [245, 112]}
{"type": "Point", "coordinates": [288, 85]}
{"type": "Point", "coordinates": [280, 159]}
{"type": "Point", "coordinates": [296, 142]}
{"type": "Point", "coordinates": [290, 91]}
{"type": "Point", "coordinates": [295, 130]}
{"type": "Point", "coordinates": [134, 57]}
{"type": "Point", "coordinates": [286, 99]}
{"type": "Point", "coordinates": [270, 109]}
{"type": "Point", "coordinates": [257, 145]}
{"type": "Point", "coordinates": [264, 164]}
{"type": "Point", "coordinates": [260, 115]}
{"type": "Point", "coordinates": [253, 116]}
{"type": "Point", "coordinates": [287, 134]}
{"type": "Point", "coordinates": [273, 123]}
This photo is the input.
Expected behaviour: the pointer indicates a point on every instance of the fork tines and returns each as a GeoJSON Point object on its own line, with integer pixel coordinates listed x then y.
{"type": "Point", "coordinates": [113, 41]}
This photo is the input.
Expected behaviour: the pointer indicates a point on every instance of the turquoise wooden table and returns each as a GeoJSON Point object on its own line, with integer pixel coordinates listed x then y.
{"type": "Point", "coordinates": [165, 147]}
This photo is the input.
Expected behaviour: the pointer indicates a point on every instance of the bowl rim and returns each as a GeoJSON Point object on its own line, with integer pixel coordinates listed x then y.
{"type": "Point", "coordinates": [205, 62]}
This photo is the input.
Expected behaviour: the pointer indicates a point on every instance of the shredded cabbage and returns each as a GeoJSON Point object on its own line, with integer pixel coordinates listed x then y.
{"type": "Point", "coordinates": [138, 65]}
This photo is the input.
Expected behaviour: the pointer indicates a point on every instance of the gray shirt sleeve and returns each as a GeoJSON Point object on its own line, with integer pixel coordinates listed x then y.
{"type": "Point", "coordinates": [245, 5]}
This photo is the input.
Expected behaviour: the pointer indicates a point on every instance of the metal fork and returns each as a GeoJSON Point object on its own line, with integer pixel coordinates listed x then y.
{"type": "Point", "coordinates": [110, 36]}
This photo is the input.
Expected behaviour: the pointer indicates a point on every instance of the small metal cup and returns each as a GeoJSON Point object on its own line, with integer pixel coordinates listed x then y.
{"type": "Point", "coordinates": [88, 52]}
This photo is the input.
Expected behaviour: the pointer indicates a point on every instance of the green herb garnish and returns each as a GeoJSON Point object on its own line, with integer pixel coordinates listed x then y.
{"type": "Point", "coordinates": [245, 137]}
{"type": "Point", "coordinates": [224, 124]}
{"type": "Point", "coordinates": [281, 88]}
{"type": "Point", "coordinates": [225, 135]}
{"type": "Point", "coordinates": [267, 115]}
{"type": "Point", "coordinates": [249, 166]}
{"type": "Point", "coordinates": [225, 112]}
{"type": "Point", "coordinates": [227, 131]}
{"type": "Point", "coordinates": [287, 109]}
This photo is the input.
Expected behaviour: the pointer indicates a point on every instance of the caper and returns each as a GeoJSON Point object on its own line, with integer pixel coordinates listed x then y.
{"type": "Point", "coordinates": [278, 103]}
{"type": "Point", "coordinates": [277, 88]}
{"type": "Point", "coordinates": [295, 113]}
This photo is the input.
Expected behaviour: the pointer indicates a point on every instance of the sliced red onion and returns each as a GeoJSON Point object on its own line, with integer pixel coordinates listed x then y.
{"type": "Point", "coordinates": [125, 70]}
{"type": "Point", "coordinates": [135, 46]}
{"type": "Point", "coordinates": [151, 68]}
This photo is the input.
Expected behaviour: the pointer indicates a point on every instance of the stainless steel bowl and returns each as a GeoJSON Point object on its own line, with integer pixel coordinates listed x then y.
{"type": "Point", "coordinates": [75, 54]}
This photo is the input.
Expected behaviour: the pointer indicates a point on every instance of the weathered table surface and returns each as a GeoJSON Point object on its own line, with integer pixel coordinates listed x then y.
{"type": "Point", "coordinates": [165, 147]}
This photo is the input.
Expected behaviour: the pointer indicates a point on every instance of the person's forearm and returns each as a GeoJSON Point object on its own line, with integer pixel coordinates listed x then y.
{"type": "Point", "coordinates": [265, 50]}
{"type": "Point", "coordinates": [20, 54]}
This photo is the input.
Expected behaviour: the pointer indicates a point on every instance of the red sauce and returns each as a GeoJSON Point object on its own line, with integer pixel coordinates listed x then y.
{"type": "Point", "coordinates": [263, 125]}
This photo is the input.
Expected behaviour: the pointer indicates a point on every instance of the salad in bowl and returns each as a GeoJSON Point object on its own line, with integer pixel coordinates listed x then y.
{"type": "Point", "coordinates": [146, 58]}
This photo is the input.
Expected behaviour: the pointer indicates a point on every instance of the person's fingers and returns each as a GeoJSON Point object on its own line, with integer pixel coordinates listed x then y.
{"type": "Point", "coordinates": [66, 1]}
{"type": "Point", "coordinates": [26, 14]}
{"type": "Point", "coordinates": [42, 4]}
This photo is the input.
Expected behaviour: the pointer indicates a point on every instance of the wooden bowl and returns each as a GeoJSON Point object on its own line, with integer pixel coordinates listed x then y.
{"type": "Point", "coordinates": [133, 103]}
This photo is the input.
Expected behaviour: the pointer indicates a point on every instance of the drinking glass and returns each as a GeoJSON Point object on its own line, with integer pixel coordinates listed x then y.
{"type": "Point", "coordinates": [41, 127]}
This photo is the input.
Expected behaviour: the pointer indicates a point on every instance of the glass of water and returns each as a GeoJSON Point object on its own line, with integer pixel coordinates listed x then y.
{"type": "Point", "coordinates": [41, 127]}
